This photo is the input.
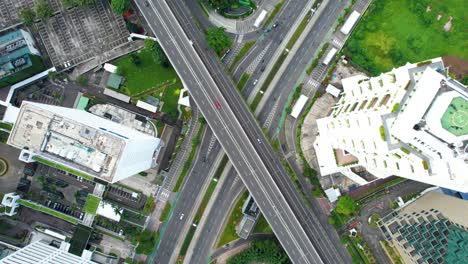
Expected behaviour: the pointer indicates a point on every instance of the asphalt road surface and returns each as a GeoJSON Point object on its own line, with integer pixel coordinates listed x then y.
{"type": "Point", "coordinates": [185, 202]}
{"type": "Point", "coordinates": [234, 137]}
{"type": "Point", "coordinates": [325, 239]}
{"type": "Point", "coordinates": [299, 62]}
{"type": "Point", "coordinates": [225, 200]}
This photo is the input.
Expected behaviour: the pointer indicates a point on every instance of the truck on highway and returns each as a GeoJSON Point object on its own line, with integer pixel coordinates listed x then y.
{"type": "Point", "coordinates": [260, 18]}
{"type": "Point", "coordinates": [350, 22]}
{"type": "Point", "coordinates": [329, 56]}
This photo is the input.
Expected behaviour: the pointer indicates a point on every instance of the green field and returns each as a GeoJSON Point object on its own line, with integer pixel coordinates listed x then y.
{"type": "Point", "coordinates": [229, 234]}
{"type": "Point", "coordinates": [91, 204]}
{"type": "Point", "coordinates": [143, 77]}
{"type": "Point", "coordinates": [262, 226]}
{"type": "Point", "coordinates": [150, 78]}
{"type": "Point", "coordinates": [394, 32]}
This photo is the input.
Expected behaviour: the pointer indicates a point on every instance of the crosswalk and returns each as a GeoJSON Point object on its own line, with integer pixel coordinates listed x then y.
{"type": "Point", "coordinates": [244, 26]}
{"type": "Point", "coordinates": [311, 83]}
{"type": "Point", "coordinates": [337, 43]}
{"type": "Point", "coordinates": [163, 194]}
{"type": "Point", "coordinates": [271, 115]}
{"type": "Point", "coordinates": [257, 60]}
{"type": "Point", "coordinates": [210, 146]}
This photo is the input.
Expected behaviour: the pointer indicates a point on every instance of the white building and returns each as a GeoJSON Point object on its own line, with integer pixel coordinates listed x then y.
{"type": "Point", "coordinates": [411, 122]}
{"type": "Point", "coordinates": [9, 205]}
{"type": "Point", "coordinates": [41, 251]}
{"type": "Point", "coordinates": [82, 143]}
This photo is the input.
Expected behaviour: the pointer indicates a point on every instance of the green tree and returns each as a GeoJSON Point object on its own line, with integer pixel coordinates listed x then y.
{"type": "Point", "coordinates": [346, 205]}
{"type": "Point", "coordinates": [119, 6]}
{"type": "Point", "coordinates": [43, 10]}
{"type": "Point", "coordinates": [222, 6]}
{"type": "Point", "coordinates": [218, 40]}
{"type": "Point", "coordinates": [83, 3]}
{"type": "Point", "coordinates": [135, 59]}
{"type": "Point", "coordinates": [82, 79]}
{"type": "Point", "coordinates": [157, 52]}
{"type": "Point", "coordinates": [464, 80]}
{"type": "Point", "coordinates": [146, 241]}
{"type": "Point", "coordinates": [27, 15]}
{"type": "Point", "coordinates": [80, 3]}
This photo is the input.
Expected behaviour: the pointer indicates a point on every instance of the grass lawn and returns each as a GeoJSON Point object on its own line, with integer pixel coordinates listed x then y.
{"type": "Point", "coordinates": [262, 226]}
{"type": "Point", "coordinates": [229, 234]}
{"type": "Point", "coordinates": [91, 204]}
{"type": "Point", "coordinates": [396, 31]}
{"type": "Point", "coordinates": [243, 81]}
{"type": "Point", "coordinates": [150, 78]}
{"type": "Point", "coordinates": [145, 76]}
{"type": "Point", "coordinates": [373, 220]}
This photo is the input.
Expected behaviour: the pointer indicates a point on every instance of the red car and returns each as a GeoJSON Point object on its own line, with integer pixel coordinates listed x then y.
{"type": "Point", "coordinates": [217, 105]}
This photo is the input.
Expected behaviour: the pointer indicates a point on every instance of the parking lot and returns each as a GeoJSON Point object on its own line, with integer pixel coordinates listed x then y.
{"type": "Point", "coordinates": [78, 34]}
{"type": "Point", "coordinates": [41, 92]}
{"type": "Point", "coordinates": [126, 197]}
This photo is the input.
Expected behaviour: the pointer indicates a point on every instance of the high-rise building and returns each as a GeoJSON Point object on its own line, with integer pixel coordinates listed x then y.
{"type": "Point", "coordinates": [410, 122]}
{"type": "Point", "coordinates": [432, 229]}
{"type": "Point", "coordinates": [82, 143]}
{"type": "Point", "coordinates": [41, 251]}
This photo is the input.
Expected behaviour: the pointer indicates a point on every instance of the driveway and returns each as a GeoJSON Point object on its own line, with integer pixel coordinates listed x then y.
{"type": "Point", "coordinates": [381, 206]}
{"type": "Point", "coordinates": [9, 181]}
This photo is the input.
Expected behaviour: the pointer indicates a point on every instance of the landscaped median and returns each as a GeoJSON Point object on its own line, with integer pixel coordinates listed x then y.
{"type": "Point", "coordinates": [202, 207]}
{"type": "Point", "coordinates": [62, 167]}
{"type": "Point", "coordinates": [229, 234]}
{"type": "Point", "coordinates": [47, 210]}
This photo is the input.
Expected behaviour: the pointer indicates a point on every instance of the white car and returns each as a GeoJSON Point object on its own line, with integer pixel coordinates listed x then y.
{"type": "Point", "coordinates": [181, 216]}
{"type": "Point", "coordinates": [255, 82]}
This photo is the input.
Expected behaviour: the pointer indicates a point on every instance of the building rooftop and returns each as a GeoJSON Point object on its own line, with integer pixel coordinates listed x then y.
{"type": "Point", "coordinates": [81, 140]}
{"type": "Point", "coordinates": [43, 252]}
{"type": "Point", "coordinates": [410, 122]}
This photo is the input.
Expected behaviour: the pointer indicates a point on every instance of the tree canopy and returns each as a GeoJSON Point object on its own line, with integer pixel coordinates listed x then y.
{"type": "Point", "coordinates": [346, 205]}
{"type": "Point", "coordinates": [147, 240]}
{"type": "Point", "coordinates": [80, 3]}
{"type": "Point", "coordinates": [261, 251]}
{"type": "Point", "coordinates": [221, 5]}
{"type": "Point", "coordinates": [218, 40]}
{"type": "Point", "coordinates": [27, 15]}
{"type": "Point", "coordinates": [43, 10]}
{"type": "Point", "coordinates": [119, 6]}
{"type": "Point", "coordinates": [158, 53]}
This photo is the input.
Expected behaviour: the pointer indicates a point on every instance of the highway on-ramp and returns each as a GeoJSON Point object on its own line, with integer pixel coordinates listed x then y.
{"type": "Point", "coordinates": [230, 133]}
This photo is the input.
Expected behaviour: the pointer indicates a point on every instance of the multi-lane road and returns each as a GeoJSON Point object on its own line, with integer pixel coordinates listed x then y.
{"type": "Point", "coordinates": [242, 151]}
{"type": "Point", "coordinates": [326, 241]}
